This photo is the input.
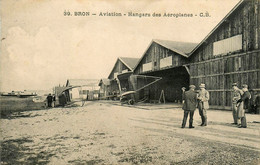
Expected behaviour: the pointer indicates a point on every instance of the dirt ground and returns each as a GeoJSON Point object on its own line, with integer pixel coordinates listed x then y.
{"type": "Point", "coordinates": [103, 132]}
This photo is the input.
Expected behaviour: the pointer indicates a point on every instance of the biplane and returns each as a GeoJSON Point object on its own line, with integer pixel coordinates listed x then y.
{"type": "Point", "coordinates": [137, 84]}
{"type": "Point", "coordinates": [65, 99]}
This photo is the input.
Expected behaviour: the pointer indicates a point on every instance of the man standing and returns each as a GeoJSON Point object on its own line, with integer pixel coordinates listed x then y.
{"type": "Point", "coordinates": [244, 101]}
{"type": "Point", "coordinates": [54, 100]}
{"type": "Point", "coordinates": [62, 99]}
{"type": "Point", "coordinates": [257, 104]}
{"type": "Point", "coordinates": [203, 98]}
{"type": "Point", "coordinates": [189, 106]}
{"type": "Point", "coordinates": [49, 100]}
{"type": "Point", "coordinates": [236, 95]}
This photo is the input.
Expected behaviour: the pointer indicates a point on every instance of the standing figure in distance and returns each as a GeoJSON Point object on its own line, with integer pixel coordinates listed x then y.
{"type": "Point", "coordinates": [203, 98]}
{"type": "Point", "coordinates": [244, 101]}
{"type": "Point", "coordinates": [62, 99]}
{"type": "Point", "coordinates": [49, 100]}
{"type": "Point", "coordinates": [190, 101]}
{"type": "Point", "coordinates": [257, 103]}
{"type": "Point", "coordinates": [54, 100]}
{"type": "Point", "coordinates": [236, 95]}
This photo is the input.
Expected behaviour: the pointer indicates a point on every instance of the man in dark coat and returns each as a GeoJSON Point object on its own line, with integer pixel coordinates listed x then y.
{"type": "Point", "coordinates": [190, 101]}
{"type": "Point", "coordinates": [245, 102]}
{"type": "Point", "coordinates": [49, 100]}
{"type": "Point", "coordinates": [257, 104]}
{"type": "Point", "coordinates": [62, 99]}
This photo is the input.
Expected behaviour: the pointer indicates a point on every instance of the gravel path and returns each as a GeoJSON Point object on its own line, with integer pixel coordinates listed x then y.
{"type": "Point", "coordinates": [104, 133]}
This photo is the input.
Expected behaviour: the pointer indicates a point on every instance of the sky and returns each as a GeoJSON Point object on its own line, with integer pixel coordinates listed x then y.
{"type": "Point", "coordinates": [42, 48]}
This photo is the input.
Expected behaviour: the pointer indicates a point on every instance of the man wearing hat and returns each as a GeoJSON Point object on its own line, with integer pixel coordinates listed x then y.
{"type": "Point", "coordinates": [189, 106]}
{"type": "Point", "coordinates": [203, 98]}
{"type": "Point", "coordinates": [245, 102]}
{"type": "Point", "coordinates": [236, 95]}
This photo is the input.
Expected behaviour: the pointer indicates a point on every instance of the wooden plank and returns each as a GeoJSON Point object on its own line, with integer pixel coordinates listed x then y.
{"type": "Point", "coordinates": [209, 67]}
{"type": "Point", "coordinates": [245, 78]}
{"type": "Point", "coordinates": [250, 62]}
{"type": "Point", "coordinates": [211, 96]}
{"type": "Point", "coordinates": [230, 89]}
{"type": "Point", "coordinates": [247, 71]}
{"type": "Point", "coordinates": [221, 82]}
{"type": "Point", "coordinates": [247, 62]}
{"type": "Point", "coordinates": [196, 70]}
{"type": "Point", "coordinates": [225, 57]}
{"type": "Point", "coordinates": [203, 69]}
{"type": "Point", "coordinates": [192, 69]}
{"type": "Point", "coordinates": [221, 66]}
{"type": "Point", "coordinates": [252, 79]}
{"type": "Point", "coordinates": [207, 81]}
{"type": "Point", "coordinates": [257, 22]}
{"type": "Point", "coordinates": [221, 102]}
{"type": "Point", "coordinates": [228, 98]}
{"type": "Point", "coordinates": [257, 54]}
{"type": "Point", "coordinates": [258, 79]}
{"type": "Point", "coordinates": [254, 60]}
{"type": "Point", "coordinates": [230, 65]}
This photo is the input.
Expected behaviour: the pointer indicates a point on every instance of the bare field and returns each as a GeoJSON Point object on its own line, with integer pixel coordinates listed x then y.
{"type": "Point", "coordinates": [10, 104]}
{"type": "Point", "coordinates": [104, 133]}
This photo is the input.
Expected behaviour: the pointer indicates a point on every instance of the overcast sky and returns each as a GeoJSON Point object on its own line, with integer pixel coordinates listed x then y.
{"type": "Point", "coordinates": [41, 48]}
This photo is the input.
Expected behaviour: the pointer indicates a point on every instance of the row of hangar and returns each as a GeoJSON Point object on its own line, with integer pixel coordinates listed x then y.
{"type": "Point", "coordinates": [229, 53]}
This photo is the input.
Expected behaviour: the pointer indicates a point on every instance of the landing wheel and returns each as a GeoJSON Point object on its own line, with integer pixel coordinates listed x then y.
{"type": "Point", "coordinates": [131, 102]}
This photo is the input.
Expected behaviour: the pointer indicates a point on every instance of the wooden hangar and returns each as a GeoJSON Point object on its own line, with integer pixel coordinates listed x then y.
{"type": "Point", "coordinates": [229, 53]}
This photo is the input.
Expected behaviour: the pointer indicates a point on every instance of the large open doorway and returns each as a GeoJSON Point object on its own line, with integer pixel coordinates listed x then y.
{"type": "Point", "coordinates": [173, 80]}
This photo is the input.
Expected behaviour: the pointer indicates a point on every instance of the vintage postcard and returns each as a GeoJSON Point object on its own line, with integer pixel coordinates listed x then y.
{"type": "Point", "coordinates": [130, 82]}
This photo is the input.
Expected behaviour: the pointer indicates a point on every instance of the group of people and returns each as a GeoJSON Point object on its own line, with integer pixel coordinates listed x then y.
{"type": "Point", "coordinates": [51, 99]}
{"type": "Point", "coordinates": [192, 100]}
